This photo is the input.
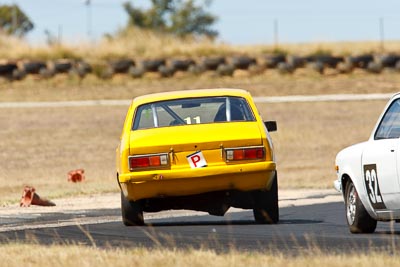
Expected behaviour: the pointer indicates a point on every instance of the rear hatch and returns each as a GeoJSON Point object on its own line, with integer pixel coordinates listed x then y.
{"type": "Point", "coordinates": [182, 141]}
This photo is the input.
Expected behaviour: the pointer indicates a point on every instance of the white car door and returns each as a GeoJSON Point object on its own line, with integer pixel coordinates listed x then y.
{"type": "Point", "coordinates": [381, 161]}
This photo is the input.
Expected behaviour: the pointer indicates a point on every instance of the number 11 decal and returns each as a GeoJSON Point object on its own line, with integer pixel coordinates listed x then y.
{"type": "Point", "coordinates": [372, 186]}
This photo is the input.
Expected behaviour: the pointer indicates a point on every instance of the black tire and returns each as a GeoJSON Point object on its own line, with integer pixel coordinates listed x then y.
{"type": "Point", "coordinates": [388, 61]}
{"type": "Point", "coordinates": [212, 63]}
{"type": "Point", "coordinates": [132, 213]}
{"type": "Point", "coordinates": [34, 67]}
{"type": "Point", "coordinates": [122, 65]}
{"type": "Point", "coordinates": [243, 62]}
{"type": "Point", "coordinates": [62, 66]}
{"type": "Point", "coordinates": [327, 60]}
{"type": "Point", "coordinates": [7, 69]}
{"type": "Point", "coordinates": [361, 61]}
{"type": "Point", "coordinates": [182, 65]}
{"type": "Point", "coordinates": [358, 219]}
{"type": "Point", "coordinates": [266, 210]}
{"type": "Point", "coordinates": [153, 65]}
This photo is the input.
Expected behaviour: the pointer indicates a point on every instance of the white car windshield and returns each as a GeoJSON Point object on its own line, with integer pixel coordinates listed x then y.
{"type": "Point", "coordinates": [192, 111]}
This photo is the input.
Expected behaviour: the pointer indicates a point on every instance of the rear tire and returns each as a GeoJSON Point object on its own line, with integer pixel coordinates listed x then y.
{"type": "Point", "coordinates": [357, 217]}
{"type": "Point", "coordinates": [266, 210]}
{"type": "Point", "coordinates": [132, 213]}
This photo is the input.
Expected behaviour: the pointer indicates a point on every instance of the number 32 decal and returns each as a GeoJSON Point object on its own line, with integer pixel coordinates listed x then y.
{"type": "Point", "coordinates": [372, 186]}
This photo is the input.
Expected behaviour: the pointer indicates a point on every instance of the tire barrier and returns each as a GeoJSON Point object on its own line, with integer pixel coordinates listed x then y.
{"type": "Point", "coordinates": [121, 66]}
{"type": "Point", "coordinates": [34, 67]}
{"type": "Point", "coordinates": [388, 61]}
{"type": "Point", "coordinates": [243, 62]}
{"type": "Point", "coordinates": [272, 61]}
{"type": "Point", "coordinates": [326, 61]}
{"type": "Point", "coordinates": [361, 61]}
{"type": "Point", "coordinates": [62, 66]}
{"type": "Point", "coordinates": [182, 64]}
{"type": "Point", "coordinates": [212, 63]}
{"type": "Point", "coordinates": [7, 70]}
{"type": "Point", "coordinates": [220, 65]}
{"type": "Point", "coordinates": [153, 65]}
{"type": "Point", "coordinates": [297, 62]}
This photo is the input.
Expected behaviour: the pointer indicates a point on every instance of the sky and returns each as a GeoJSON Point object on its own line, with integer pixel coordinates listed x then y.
{"type": "Point", "coordinates": [241, 22]}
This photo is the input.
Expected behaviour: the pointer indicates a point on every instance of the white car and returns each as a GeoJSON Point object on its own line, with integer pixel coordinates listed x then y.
{"type": "Point", "coordinates": [368, 174]}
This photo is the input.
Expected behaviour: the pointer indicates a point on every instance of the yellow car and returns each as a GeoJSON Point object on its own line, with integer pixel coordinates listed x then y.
{"type": "Point", "coordinates": [204, 150]}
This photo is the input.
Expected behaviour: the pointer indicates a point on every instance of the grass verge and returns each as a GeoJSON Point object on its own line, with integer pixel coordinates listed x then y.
{"type": "Point", "coordinates": [270, 83]}
{"type": "Point", "coordinates": [74, 255]}
{"type": "Point", "coordinates": [138, 44]}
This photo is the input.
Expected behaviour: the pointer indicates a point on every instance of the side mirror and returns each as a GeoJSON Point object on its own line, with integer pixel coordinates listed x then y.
{"type": "Point", "coordinates": [271, 126]}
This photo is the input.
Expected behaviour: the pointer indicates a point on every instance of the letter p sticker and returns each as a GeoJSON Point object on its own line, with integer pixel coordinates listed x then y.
{"type": "Point", "coordinates": [196, 160]}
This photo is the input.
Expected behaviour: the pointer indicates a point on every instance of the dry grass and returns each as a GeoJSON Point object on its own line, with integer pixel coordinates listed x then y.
{"type": "Point", "coordinates": [136, 43]}
{"type": "Point", "coordinates": [43, 256]}
{"type": "Point", "coordinates": [270, 83]}
{"type": "Point", "coordinates": [310, 135]}
{"type": "Point", "coordinates": [39, 147]}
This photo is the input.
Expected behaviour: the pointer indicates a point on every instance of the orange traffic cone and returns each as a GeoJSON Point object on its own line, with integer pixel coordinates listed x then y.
{"type": "Point", "coordinates": [29, 197]}
{"type": "Point", "coordinates": [76, 175]}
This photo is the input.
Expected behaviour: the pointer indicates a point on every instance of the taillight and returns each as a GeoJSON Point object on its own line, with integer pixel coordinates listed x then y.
{"type": "Point", "coordinates": [148, 161]}
{"type": "Point", "coordinates": [245, 153]}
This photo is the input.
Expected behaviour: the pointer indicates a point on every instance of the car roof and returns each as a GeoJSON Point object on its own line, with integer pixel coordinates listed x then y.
{"type": "Point", "coordinates": [190, 93]}
{"type": "Point", "coordinates": [396, 95]}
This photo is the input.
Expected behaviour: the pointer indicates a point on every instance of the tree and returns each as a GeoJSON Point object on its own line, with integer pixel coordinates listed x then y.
{"type": "Point", "coordinates": [192, 19]}
{"type": "Point", "coordinates": [14, 21]}
{"type": "Point", "coordinates": [180, 17]}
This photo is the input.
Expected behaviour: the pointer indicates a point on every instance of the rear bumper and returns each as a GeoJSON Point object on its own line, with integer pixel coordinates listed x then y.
{"type": "Point", "coordinates": [164, 183]}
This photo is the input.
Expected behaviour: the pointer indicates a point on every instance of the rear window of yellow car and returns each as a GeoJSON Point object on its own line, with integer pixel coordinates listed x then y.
{"type": "Point", "coordinates": [192, 111]}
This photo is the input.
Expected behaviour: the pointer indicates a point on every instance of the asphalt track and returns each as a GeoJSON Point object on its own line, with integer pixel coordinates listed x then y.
{"type": "Point", "coordinates": [320, 226]}
{"type": "Point", "coordinates": [270, 99]}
